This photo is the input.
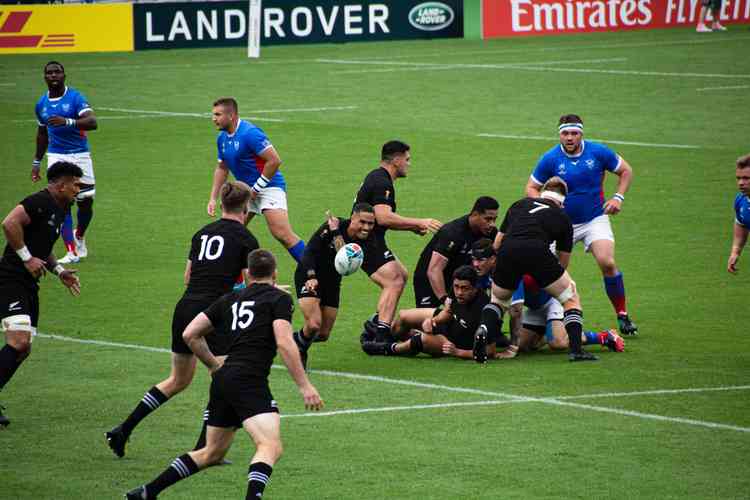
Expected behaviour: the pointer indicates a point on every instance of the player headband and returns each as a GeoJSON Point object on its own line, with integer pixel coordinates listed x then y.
{"type": "Point", "coordinates": [553, 196]}
{"type": "Point", "coordinates": [570, 126]}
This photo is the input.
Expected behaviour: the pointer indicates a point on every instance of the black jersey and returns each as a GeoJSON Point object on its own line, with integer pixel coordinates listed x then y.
{"type": "Point", "coordinates": [218, 253]}
{"type": "Point", "coordinates": [377, 189]}
{"type": "Point", "coordinates": [466, 320]}
{"type": "Point", "coordinates": [538, 220]}
{"type": "Point", "coordinates": [320, 250]}
{"type": "Point", "coordinates": [248, 316]}
{"type": "Point", "coordinates": [453, 241]}
{"type": "Point", "coordinates": [39, 236]}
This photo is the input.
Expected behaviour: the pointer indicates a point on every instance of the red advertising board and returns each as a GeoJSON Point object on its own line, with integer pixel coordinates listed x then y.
{"type": "Point", "coordinates": [547, 17]}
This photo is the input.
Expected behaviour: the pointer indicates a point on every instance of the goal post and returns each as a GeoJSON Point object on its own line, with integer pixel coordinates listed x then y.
{"type": "Point", "coordinates": [253, 28]}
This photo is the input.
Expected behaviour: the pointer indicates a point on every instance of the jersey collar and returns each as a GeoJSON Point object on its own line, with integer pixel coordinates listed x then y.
{"type": "Point", "coordinates": [239, 124]}
{"type": "Point", "coordinates": [583, 147]}
{"type": "Point", "coordinates": [53, 99]}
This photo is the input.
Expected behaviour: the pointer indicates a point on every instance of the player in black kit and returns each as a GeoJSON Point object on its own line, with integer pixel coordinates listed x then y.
{"type": "Point", "coordinates": [448, 330]}
{"type": "Point", "coordinates": [31, 230]}
{"type": "Point", "coordinates": [450, 249]}
{"type": "Point", "coordinates": [385, 270]}
{"type": "Point", "coordinates": [259, 318]}
{"type": "Point", "coordinates": [218, 255]}
{"type": "Point", "coordinates": [530, 226]}
{"type": "Point", "coordinates": [317, 283]}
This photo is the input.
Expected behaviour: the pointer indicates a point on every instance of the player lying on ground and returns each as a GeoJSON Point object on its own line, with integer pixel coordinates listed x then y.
{"type": "Point", "coordinates": [448, 330]}
{"type": "Point", "coordinates": [259, 318]}
{"type": "Point", "coordinates": [317, 283]}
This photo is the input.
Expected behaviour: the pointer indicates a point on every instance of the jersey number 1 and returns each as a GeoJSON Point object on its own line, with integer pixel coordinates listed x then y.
{"type": "Point", "coordinates": [211, 248]}
{"type": "Point", "coordinates": [242, 314]}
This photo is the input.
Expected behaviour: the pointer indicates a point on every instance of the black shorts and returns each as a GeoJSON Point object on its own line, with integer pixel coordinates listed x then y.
{"type": "Point", "coordinates": [18, 299]}
{"type": "Point", "coordinates": [376, 253]}
{"type": "Point", "coordinates": [328, 291]}
{"type": "Point", "coordinates": [184, 312]}
{"type": "Point", "coordinates": [423, 294]}
{"type": "Point", "coordinates": [517, 258]}
{"type": "Point", "coordinates": [236, 396]}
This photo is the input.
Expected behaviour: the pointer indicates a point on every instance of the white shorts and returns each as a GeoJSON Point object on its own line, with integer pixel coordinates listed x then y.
{"type": "Point", "coordinates": [551, 311]}
{"type": "Point", "coordinates": [83, 160]}
{"type": "Point", "coordinates": [269, 199]}
{"type": "Point", "coordinates": [594, 230]}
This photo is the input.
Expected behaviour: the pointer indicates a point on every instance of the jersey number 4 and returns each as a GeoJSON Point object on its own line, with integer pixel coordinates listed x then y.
{"type": "Point", "coordinates": [242, 314]}
{"type": "Point", "coordinates": [211, 248]}
{"type": "Point", "coordinates": [539, 206]}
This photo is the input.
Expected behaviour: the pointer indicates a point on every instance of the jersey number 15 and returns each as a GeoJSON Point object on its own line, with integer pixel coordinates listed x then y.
{"type": "Point", "coordinates": [242, 314]}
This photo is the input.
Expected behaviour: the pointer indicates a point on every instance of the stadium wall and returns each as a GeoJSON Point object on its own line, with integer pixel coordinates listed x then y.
{"type": "Point", "coordinates": [504, 18]}
{"type": "Point", "coordinates": [35, 29]}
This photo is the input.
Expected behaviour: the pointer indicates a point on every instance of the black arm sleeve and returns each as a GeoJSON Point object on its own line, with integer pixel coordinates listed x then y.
{"type": "Point", "coordinates": [283, 307]}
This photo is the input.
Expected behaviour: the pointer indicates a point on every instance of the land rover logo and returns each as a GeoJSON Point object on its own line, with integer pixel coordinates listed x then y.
{"type": "Point", "coordinates": [431, 16]}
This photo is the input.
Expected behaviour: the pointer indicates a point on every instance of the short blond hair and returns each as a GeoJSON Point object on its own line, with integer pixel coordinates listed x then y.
{"type": "Point", "coordinates": [557, 185]}
{"type": "Point", "coordinates": [235, 196]}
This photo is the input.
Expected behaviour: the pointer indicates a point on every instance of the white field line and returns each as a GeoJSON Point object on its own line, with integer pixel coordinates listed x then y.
{"type": "Point", "coordinates": [733, 87]}
{"type": "Point", "coordinates": [441, 67]}
{"type": "Point", "coordinates": [520, 66]}
{"type": "Point", "coordinates": [509, 398]}
{"type": "Point", "coordinates": [10, 84]}
{"type": "Point", "coordinates": [627, 143]}
{"type": "Point", "coordinates": [254, 112]}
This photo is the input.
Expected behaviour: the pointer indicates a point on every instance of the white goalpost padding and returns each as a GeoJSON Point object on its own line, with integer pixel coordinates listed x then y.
{"type": "Point", "coordinates": [253, 28]}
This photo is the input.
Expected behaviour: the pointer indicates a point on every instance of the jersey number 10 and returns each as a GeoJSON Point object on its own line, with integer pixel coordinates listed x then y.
{"type": "Point", "coordinates": [211, 248]}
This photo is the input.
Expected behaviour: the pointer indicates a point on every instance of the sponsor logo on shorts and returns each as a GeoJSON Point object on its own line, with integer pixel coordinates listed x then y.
{"type": "Point", "coordinates": [425, 300]}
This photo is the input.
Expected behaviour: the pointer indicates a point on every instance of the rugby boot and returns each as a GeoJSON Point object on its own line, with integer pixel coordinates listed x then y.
{"type": "Point", "coordinates": [480, 344]}
{"type": "Point", "coordinates": [116, 440]}
{"type": "Point", "coordinates": [627, 327]}
{"type": "Point", "coordinates": [4, 421]}
{"type": "Point", "coordinates": [614, 342]}
{"type": "Point", "coordinates": [582, 356]}
{"type": "Point", "coordinates": [138, 493]}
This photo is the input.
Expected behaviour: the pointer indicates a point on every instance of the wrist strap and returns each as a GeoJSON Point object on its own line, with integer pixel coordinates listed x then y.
{"type": "Point", "coordinates": [70, 122]}
{"type": "Point", "coordinates": [261, 183]}
{"type": "Point", "coordinates": [36, 163]}
{"type": "Point", "coordinates": [24, 253]}
{"type": "Point", "coordinates": [58, 269]}
{"type": "Point", "coordinates": [619, 197]}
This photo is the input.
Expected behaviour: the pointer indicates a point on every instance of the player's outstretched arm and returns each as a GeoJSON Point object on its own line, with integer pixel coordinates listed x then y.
{"type": "Point", "coordinates": [738, 243]}
{"type": "Point", "coordinates": [386, 217]}
{"type": "Point", "coordinates": [282, 331]}
{"type": "Point", "coordinates": [221, 173]}
{"type": "Point", "coordinates": [194, 336]}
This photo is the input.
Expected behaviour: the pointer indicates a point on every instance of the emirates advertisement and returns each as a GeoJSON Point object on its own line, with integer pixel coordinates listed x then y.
{"type": "Point", "coordinates": [545, 17]}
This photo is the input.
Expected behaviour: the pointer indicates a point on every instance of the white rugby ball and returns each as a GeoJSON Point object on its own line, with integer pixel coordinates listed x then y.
{"type": "Point", "coordinates": [348, 259]}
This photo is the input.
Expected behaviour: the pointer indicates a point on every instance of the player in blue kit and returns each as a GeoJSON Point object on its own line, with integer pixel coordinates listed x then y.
{"type": "Point", "coordinates": [244, 150]}
{"type": "Point", "coordinates": [583, 165]}
{"type": "Point", "coordinates": [741, 212]}
{"type": "Point", "coordinates": [64, 116]}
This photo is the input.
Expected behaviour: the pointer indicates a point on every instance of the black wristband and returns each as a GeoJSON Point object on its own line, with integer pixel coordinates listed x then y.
{"type": "Point", "coordinates": [443, 299]}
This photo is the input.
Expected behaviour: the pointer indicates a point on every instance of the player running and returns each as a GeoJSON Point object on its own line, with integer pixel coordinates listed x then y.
{"type": "Point", "coordinates": [246, 151]}
{"type": "Point", "coordinates": [450, 249]}
{"type": "Point", "coordinates": [317, 283]}
{"type": "Point", "coordinates": [64, 116]}
{"type": "Point", "coordinates": [384, 269]}
{"type": "Point", "coordinates": [583, 165]}
{"type": "Point", "coordinates": [259, 318]}
{"type": "Point", "coordinates": [741, 212]}
{"type": "Point", "coordinates": [218, 254]}
{"type": "Point", "coordinates": [31, 230]}
{"type": "Point", "coordinates": [530, 226]}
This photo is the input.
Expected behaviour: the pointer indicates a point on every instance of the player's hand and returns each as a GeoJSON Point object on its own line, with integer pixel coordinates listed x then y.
{"type": "Point", "coordinates": [429, 226]}
{"type": "Point", "coordinates": [217, 366]}
{"type": "Point", "coordinates": [509, 353]}
{"type": "Point", "coordinates": [732, 263]}
{"type": "Point", "coordinates": [612, 207]}
{"type": "Point", "coordinates": [56, 121]}
{"type": "Point", "coordinates": [211, 207]}
{"type": "Point", "coordinates": [35, 266]}
{"type": "Point", "coordinates": [71, 281]}
{"type": "Point", "coordinates": [333, 222]}
{"type": "Point", "coordinates": [312, 285]}
{"type": "Point", "coordinates": [253, 195]}
{"type": "Point", "coordinates": [311, 397]}
{"type": "Point", "coordinates": [449, 348]}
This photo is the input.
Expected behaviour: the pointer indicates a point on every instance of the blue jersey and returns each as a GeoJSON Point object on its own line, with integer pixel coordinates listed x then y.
{"type": "Point", "coordinates": [63, 139]}
{"type": "Point", "coordinates": [532, 299]}
{"type": "Point", "coordinates": [584, 174]}
{"type": "Point", "coordinates": [742, 210]}
{"type": "Point", "coordinates": [241, 151]}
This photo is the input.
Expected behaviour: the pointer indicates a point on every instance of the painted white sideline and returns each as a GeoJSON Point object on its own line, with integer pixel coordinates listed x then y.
{"type": "Point", "coordinates": [611, 141]}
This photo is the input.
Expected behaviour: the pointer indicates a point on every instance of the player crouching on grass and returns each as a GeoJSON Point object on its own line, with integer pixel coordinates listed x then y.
{"type": "Point", "coordinates": [317, 283]}
{"type": "Point", "coordinates": [260, 316]}
{"type": "Point", "coordinates": [448, 330]}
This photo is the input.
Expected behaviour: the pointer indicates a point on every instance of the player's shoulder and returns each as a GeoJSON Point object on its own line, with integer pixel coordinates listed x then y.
{"type": "Point", "coordinates": [738, 199]}
{"type": "Point", "coordinates": [42, 99]}
{"type": "Point", "coordinates": [249, 129]}
{"type": "Point", "coordinates": [456, 227]}
{"type": "Point", "coordinates": [596, 148]}
{"type": "Point", "coordinates": [41, 197]}
{"type": "Point", "coordinates": [552, 153]}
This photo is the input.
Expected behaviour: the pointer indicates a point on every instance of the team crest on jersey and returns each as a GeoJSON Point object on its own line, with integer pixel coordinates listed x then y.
{"type": "Point", "coordinates": [590, 164]}
{"type": "Point", "coordinates": [561, 169]}
{"type": "Point", "coordinates": [236, 145]}
{"type": "Point", "coordinates": [66, 107]}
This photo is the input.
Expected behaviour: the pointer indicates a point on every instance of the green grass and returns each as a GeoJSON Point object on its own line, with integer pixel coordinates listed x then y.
{"type": "Point", "coordinates": [154, 175]}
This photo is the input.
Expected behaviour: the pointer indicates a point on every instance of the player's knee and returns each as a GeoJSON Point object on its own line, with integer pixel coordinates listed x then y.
{"type": "Point", "coordinates": [272, 448]}
{"type": "Point", "coordinates": [312, 325]}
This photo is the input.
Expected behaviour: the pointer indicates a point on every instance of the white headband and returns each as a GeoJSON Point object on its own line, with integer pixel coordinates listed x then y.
{"type": "Point", "coordinates": [570, 126]}
{"type": "Point", "coordinates": [553, 196]}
